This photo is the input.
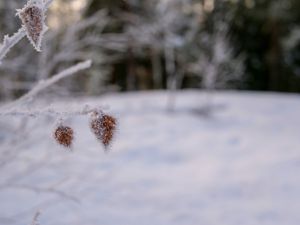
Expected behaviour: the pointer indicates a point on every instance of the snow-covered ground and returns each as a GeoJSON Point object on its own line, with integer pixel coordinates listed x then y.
{"type": "Point", "coordinates": [239, 166]}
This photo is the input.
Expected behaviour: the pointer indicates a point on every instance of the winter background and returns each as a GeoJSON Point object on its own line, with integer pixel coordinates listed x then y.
{"type": "Point", "coordinates": [206, 94]}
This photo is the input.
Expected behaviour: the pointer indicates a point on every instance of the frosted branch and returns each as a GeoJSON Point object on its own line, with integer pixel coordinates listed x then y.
{"type": "Point", "coordinates": [9, 42]}
{"type": "Point", "coordinates": [52, 112]}
{"type": "Point", "coordinates": [64, 74]}
{"type": "Point", "coordinates": [43, 84]}
{"type": "Point", "coordinates": [35, 218]}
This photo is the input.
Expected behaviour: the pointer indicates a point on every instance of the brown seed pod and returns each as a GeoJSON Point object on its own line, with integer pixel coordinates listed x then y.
{"type": "Point", "coordinates": [64, 135]}
{"type": "Point", "coordinates": [32, 17]}
{"type": "Point", "coordinates": [103, 126]}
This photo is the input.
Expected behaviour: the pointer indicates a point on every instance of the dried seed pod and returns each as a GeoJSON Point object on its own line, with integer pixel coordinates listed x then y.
{"type": "Point", "coordinates": [33, 20]}
{"type": "Point", "coordinates": [64, 135]}
{"type": "Point", "coordinates": [103, 126]}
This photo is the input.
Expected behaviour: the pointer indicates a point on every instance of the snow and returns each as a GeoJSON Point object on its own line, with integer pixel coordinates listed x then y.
{"type": "Point", "coordinates": [239, 166]}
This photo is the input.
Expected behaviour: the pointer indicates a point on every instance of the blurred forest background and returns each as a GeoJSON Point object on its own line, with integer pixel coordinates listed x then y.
{"type": "Point", "coordinates": [159, 44]}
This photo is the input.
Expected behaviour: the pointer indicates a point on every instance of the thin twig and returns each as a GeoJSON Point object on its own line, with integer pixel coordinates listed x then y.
{"type": "Point", "coordinates": [9, 42]}
{"type": "Point", "coordinates": [35, 218]}
{"type": "Point", "coordinates": [46, 83]}
{"type": "Point", "coordinates": [51, 112]}
{"type": "Point", "coordinates": [43, 84]}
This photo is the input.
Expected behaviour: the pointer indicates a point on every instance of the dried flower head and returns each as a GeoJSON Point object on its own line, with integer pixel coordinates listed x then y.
{"type": "Point", "coordinates": [103, 126]}
{"type": "Point", "coordinates": [64, 135]}
{"type": "Point", "coordinates": [33, 20]}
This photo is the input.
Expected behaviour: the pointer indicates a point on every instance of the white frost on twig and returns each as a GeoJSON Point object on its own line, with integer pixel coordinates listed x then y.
{"type": "Point", "coordinates": [35, 218]}
{"type": "Point", "coordinates": [65, 73]}
{"type": "Point", "coordinates": [9, 42]}
{"type": "Point", "coordinates": [43, 84]}
{"type": "Point", "coordinates": [86, 110]}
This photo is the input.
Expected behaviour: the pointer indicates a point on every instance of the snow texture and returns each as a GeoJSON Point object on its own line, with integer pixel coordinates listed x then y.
{"type": "Point", "coordinates": [239, 166]}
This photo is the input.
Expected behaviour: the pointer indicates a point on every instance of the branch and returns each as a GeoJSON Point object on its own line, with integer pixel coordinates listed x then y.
{"type": "Point", "coordinates": [53, 112]}
{"type": "Point", "coordinates": [35, 218]}
{"type": "Point", "coordinates": [65, 73]}
{"type": "Point", "coordinates": [43, 84]}
{"type": "Point", "coordinates": [9, 42]}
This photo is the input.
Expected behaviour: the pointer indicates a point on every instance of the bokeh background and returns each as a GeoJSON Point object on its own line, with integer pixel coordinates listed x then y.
{"type": "Point", "coordinates": [146, 45]}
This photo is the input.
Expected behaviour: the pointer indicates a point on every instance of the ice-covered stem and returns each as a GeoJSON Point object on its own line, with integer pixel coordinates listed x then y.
{"type": "Point", "coordinates": [35, 218]}
{"type": "Point", "coordinates": [86, 110]}
{"type": "Point", "coordinates": [9, 42]}
{"type": "Point", "coordinates": [52, 80]}
{"type": "Point", "coordinates": [43, 84]}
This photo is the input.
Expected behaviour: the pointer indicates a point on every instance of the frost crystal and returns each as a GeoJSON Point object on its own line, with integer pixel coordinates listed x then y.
{"type": "Point", "coordinates": [33, 20]}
